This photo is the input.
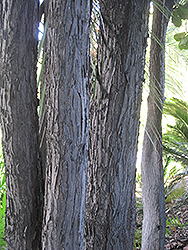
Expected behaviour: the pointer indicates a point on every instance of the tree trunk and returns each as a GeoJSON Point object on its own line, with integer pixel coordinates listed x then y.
{"type": "Point", "coordinates": [67, 131]}
{"type": "Point", "coordinates": [154, 221]}
{"type": "Point", "coordinates": [19, 123]}
{"type": "Point", "coordinates": [110, 202]}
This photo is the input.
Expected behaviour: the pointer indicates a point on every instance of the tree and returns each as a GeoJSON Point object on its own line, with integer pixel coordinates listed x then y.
{"type": "Point", "coordinates": [154, 221]}
{"type": "Point", "coordinates": [110, 208]}
{"type": "Point", "coordinates": [110, 200]}
{"type": "Point", "coordinates": [19, 121]}
{"type": "Point", "coordinates": [67, 130]}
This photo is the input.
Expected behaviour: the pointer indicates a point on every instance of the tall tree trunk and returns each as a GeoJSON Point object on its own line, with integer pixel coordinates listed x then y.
{"type": "Point", "coordinates": [154, 221]}
{"type": "Point", "coordinates": [19, 121]}
{"type": "Point", "coordinates": [67, 131]}
{"type": "Point", "coordinates": [110, 202]}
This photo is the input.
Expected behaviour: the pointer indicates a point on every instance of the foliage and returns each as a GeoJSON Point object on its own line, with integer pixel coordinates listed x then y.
{"type": "Point", "coordinates": [176, 62]}
{"type": "Point", "coordinates": [2, 222]}
{"type": "Point", "coordinates": [175, 193]}
{"type": "Point", "coordinates": [173, 223]}
{"type": "Point", "coordinates": [173, 181]}
{"type": "Point", "coordinates": [175, 140]}
{"type": "Point", "coordinates": [180, 13]}
{"type": "Point", "coordinates": [138, 239]}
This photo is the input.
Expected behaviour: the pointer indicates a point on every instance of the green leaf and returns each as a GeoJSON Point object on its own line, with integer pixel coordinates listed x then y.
{"type": "Point", "coordinates": [182, 11]}
{"type": "Point", "coordinates": [176, 193]}
{"type": "Point", "coordinates": [176, 19]}
{"type": "Point", "coordinates": [4, 203]}
{"type": "Point", "coordinates": [179, 36]}
{"type": "Point", "coordinates": [184, 43]}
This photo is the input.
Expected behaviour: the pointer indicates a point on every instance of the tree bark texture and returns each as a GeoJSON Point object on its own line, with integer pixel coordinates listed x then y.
{"type": "Point", "coordinates": [110, 199]}
{"type": "Point", "coordinates": [154, 221]}
{"type": "Point", "coordinates": [67, 116]}
{"type": "Point", "coordinates": [19, 121]}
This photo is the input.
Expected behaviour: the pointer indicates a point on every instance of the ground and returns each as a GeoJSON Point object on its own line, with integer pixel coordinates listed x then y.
{"type": "Point", "coordinates": [177, 230]}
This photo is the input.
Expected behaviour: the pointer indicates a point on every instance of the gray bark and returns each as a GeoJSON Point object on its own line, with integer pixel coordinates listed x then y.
{"type": "Point", "coordinates": [110, 199]}
{"type": "Point", "coordinates": [154, 221]}
{"type": "Point", "coordinates": [67, 130]}
{"type": "Point", "coordinates": [19, 121]}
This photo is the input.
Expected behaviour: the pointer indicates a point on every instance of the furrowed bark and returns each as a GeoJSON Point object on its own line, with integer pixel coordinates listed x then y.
{"type": "Point", "coordinates": [67, 131]}
{"type": "Point", "coordinates": [110, 202]}
{"type": "Point", "coordinates": [19, 121]}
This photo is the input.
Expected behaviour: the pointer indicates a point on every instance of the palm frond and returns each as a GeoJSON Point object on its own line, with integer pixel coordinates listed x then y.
{"type": "Point", "coordinates": [175, 140]}
{"type": "Point", "coordinates": [178, 109]}
{"type": "Point", "coordinates": [177, 151]}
